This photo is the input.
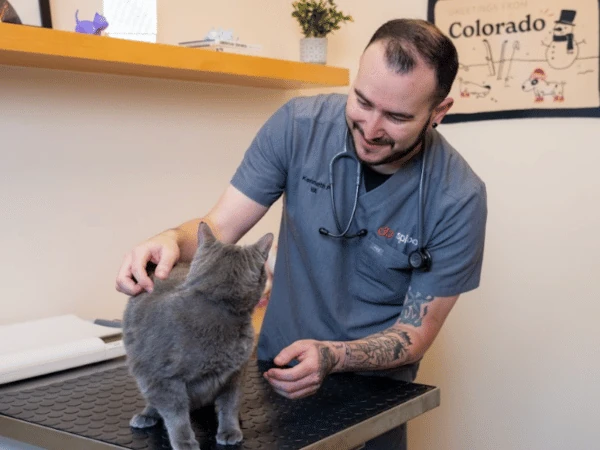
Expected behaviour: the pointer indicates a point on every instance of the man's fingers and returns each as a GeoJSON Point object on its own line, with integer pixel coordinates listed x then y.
{"type": "Point", "coordinates": [301, 380]}
{"type": "Point", "coordinates": [301, 393]}
{"type": "Point", "coordinates": [293, 374]}
{"type": "Point", "coordinates": [296, 395]}
{"type": "Point", "coordinates": [285, 356]}
{"type": "Point", "coordinates": [128, 286]}
{"type": "Point", "coordinates": [138, 270]}
{"type": "Point", "coordinates": [165, 264]}
{"type": "Point", "coordinates": [125, 282]}
{"type": "Point", "coordinates": [133, 276]}
{"type": "Point", "coordinates": [293, 351]}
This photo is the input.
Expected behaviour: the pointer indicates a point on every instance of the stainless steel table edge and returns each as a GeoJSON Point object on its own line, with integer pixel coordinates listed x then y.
{"type": "Point", "coordinates": [352, 437]}
{"type": "Point", "coordinates": [48, 438]}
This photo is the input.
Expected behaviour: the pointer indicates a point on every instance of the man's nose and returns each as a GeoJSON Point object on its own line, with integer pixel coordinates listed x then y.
{"type": "Point", "coordinates": [372, 127]}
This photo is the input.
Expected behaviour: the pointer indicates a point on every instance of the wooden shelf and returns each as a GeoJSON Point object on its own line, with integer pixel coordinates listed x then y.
{"type": "Point", "coordinates": [45, 48]}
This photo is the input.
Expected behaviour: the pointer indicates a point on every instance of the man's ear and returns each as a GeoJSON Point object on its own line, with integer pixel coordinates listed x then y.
{"type": "Point", "coordinates": [441, 110]}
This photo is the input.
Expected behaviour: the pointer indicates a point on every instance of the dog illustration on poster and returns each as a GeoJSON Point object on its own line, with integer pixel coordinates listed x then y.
{"type": "Point", "coordinates": [541, 87]}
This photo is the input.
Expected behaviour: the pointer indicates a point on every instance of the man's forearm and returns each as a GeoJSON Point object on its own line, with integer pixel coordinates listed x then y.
{"type": "Point", "coordinates": [387, 349]}
{"type": "Point", "coordinates": [403, 343]}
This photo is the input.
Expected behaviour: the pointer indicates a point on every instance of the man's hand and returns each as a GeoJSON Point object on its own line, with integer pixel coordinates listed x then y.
{"type": "Point", "coordinates": [403, 343]}
{"type": "Point", "coordinates": [161, 250]}
{"type": "Point", "coordinates": [316, 359]}
{"type": "Point", "coordinates": [232, 216]}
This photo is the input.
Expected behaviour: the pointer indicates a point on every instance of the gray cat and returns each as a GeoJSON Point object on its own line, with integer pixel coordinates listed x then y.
{"type": "Point", "coordinates": [189, 340]}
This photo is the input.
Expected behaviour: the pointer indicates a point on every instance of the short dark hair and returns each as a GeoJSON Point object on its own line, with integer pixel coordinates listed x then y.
{"type": "Point", "coordinates": [406, 39]}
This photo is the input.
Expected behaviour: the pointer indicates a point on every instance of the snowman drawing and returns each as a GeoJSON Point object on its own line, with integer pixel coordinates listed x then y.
{"type": "Point", "coordinates": [563, 50]}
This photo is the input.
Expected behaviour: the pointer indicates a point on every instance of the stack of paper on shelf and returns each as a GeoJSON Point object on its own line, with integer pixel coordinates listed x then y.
{"type": "Point", "coordinates": [221, 45]}
{"type": "Point", "coordinates": [44, 346]}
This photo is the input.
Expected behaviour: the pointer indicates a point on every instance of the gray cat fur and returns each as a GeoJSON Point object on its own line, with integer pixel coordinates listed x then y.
{"type": "Point", "coordinates": [188, 341]}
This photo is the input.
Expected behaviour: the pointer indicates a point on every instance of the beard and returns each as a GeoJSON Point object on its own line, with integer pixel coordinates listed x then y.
{"type": "Point", "coordinates": [396, 155]}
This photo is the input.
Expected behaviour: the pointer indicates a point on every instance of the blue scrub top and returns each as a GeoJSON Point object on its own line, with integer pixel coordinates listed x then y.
{"type": "Point", "coordinates": [345, 289]}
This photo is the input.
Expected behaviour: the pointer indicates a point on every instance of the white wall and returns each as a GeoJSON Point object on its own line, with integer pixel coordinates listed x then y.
{"type": "Point", "coordinates": [90, 165]}
{"type": "Point", "coordinates": [93, 164]}
{"type": "Point", "coordinates": [517, 361]}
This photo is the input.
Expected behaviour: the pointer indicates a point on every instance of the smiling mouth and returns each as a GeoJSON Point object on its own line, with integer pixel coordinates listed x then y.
{"type": "Point", "coordinates": [370, 147]}
{"type": "Point", "coordinates": [377, 144]}
{"type": "Point", "coordinates": [381, 143]}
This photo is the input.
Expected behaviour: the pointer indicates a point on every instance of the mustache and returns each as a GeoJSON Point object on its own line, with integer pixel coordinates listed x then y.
{"type": "Point", "coordinates": [377, 141]}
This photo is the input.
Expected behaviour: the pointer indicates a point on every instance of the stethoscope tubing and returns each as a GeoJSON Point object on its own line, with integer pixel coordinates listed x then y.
{"type": "Point", "coordinates": [336, 157]}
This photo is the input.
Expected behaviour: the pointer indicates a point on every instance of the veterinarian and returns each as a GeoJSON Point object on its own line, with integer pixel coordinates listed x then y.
{"type": "Point", "coordinates": [383, 221]}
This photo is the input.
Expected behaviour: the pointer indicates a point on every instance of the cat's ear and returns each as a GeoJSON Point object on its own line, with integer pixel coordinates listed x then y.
{"type": "Point", "coordinates": [205, 234]}
{"type": "Point", "coordinates": [264, 244]}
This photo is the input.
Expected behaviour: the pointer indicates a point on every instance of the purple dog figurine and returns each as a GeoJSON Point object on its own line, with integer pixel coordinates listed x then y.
{"type": "Point", "coordinates": [91, 27]}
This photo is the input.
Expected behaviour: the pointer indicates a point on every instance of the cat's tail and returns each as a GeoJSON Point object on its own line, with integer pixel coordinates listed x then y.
{"type": "Point", "coordinates": [77, 17]}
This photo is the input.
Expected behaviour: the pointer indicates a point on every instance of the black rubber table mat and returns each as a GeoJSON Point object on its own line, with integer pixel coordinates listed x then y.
{"type": "Point", "coordinates": [100, 405]}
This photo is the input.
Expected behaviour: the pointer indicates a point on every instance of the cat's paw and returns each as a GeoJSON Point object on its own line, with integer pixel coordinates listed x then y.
{"type": "Point", "coordinates": [230, 436]}
{"type": "Point", "coordinates": [141, 421]}
{"type": "Point", "coordinates": [186, 445]}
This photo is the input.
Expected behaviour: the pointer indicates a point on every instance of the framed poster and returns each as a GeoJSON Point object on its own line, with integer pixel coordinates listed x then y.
{"type": "Point", "coordinates": [26, 12]}
{"type": "Point", "coordinates": [522, 58]}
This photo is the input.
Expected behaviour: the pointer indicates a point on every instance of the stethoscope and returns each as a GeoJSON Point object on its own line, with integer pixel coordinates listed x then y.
{"type": "Point", "coordinates": [419, 259]}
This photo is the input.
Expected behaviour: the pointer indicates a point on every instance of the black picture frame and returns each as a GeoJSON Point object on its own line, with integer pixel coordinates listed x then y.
{"type": "Point", "coordinates": [45, 13]}
{"type": "Point", "coordinates": [35, 13]}
{"type": "Point", "coordinates": [517, 113]}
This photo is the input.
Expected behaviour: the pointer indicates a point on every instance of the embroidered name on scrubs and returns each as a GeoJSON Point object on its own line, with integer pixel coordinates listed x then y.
{"type": "Point", "coordinates": [376, 248]}
{"type": "Point", "coordinates": [316, 184]}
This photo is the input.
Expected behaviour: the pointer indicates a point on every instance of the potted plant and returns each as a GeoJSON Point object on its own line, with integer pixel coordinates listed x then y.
{"type": "Point", "coordinates": [317, 18]}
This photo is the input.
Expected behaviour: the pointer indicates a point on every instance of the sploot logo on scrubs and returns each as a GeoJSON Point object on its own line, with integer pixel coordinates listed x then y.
{"type": "Point", "coordinates": [386, 232]}
{"type": "Point", "coordinates": [405, 238]}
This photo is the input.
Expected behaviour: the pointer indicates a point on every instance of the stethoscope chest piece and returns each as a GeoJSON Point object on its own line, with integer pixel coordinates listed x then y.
{"type": "Point", "coordinates": [420, 259]}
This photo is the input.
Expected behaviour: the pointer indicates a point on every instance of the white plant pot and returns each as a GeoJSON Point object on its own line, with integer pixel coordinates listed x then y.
{"type": "Point", "coordinates": [313, 50]}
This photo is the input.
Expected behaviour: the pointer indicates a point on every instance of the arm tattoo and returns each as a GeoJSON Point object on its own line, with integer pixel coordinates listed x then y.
{"type": "Point", "coordinates": [383, 350]}
{"type": "Point", "coordinates": [387, 349]}
{"type": "Point", "coordinates": [327, 361]}
{"type": "Point", "coordinates": [415, 308]}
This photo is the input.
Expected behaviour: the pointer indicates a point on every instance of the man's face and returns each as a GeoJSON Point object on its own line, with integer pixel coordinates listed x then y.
{"type": "Point", "coordinates": [387, 112]}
